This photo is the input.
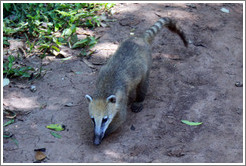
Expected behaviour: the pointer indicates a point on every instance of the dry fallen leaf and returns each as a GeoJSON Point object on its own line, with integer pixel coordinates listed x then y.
{"type": "Point", "coordinates": [40, 155]}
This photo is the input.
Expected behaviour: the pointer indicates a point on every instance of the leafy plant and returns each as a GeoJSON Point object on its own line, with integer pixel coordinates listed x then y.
{"type": "Point", "coordinates": [5, 41]}
{"type": "Point", "coordinates": [88, 41]}
{"type": "Point", "coordinates": [13, 70]}
{"type": "Point", "coordinates": [9, 122]}
{"type": "Point", "coordinates": [49, 26]}
{"type": "Point", "coordinates": [43, 19]}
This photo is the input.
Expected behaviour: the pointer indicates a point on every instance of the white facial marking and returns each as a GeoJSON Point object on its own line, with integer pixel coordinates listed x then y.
{"type": "Point", "coordinates": [110, 97]}
{"type": "Point", "coordinates": [88, 97]}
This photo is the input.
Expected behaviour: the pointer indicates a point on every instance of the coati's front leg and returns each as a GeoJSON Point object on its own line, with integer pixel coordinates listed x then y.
{"type": "Point", "coordinates": [141, 91]}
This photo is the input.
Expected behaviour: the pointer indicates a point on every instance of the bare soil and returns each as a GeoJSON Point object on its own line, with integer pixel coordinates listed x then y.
{"type": "Point", "coordinates": [195, 83]}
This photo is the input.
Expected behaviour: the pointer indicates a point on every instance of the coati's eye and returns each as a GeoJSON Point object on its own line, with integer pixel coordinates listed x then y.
{"type": "Point", "coordinates": [111, 99]}
{"type": "Point", "coordinates": [105, 119]}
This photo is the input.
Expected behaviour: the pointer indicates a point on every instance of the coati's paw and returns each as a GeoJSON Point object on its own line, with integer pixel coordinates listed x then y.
{"type": "Point", "coordinates": [137, 107]}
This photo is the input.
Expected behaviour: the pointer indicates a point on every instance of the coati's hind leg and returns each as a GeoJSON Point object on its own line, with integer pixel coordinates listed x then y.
{"type": "Point", "coordinates": [141, 91]}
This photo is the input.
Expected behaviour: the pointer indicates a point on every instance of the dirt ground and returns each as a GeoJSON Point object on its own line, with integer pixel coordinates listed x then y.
{"type": "Point", "coordinates": [197, 83]}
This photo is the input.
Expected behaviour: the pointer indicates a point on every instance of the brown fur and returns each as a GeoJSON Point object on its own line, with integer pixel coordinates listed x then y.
{"type": "Point", "coordinates": [126, 71]}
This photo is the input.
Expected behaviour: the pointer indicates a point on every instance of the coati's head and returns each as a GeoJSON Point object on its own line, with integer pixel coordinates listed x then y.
{"type": "Point", "coordinates": [102, 112]}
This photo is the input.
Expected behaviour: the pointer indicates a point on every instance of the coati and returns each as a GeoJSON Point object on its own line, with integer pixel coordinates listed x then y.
{"type": "Point", "coordinates": [126, 71]}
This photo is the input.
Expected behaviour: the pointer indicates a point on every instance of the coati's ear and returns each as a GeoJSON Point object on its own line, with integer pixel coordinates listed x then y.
{"type": "Point", "coordinates": [89, 98]}
{"type": "Point", "coordinates": [111, 99]}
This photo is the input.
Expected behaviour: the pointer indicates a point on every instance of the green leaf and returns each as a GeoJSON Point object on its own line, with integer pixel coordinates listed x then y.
{"type": "Point", "coordinates": [80, 43]}
{"type": "Point", "coordinates": [29, 68]}
{"type": "Point", "coordinates": [55, 48]}
{"type": "Point", "coordinates": [83, 53]}
{"type": "Point", "coordinates": [9, 122]}
{"type": "Point", "coordinates": [5, 41]}
{"type": "Point", "coordinates": [73, 39]}
{"type": "Point", "coordinates": [55, 40]}
{"type": "Point", "coordinates": [55, 135]}
{"type": "Point", "coordinates": [191, 123]}
{"type": "Point", "coordinates": [15, 141]}
{"type": "Point", "coordinates": [7, 6]}
{"type": "Point", "coordinates": [93, 41]}
{"type": "Point", "coordinates": [57, 26]}
{"type": "Point", "coordinates": [11, 58]}
{"type": "Point", "coordinates": [48, 37]}
{"type": "Point", "coordinates": [73, 28]}
{"type": "Point", "coordinates": [65, 59]}
{"type": "Point", "coordinates": [22, 69]}
{"type": "Point", "coordinates": [10, 65]}
{"type": "Point", "coordinates": [50, 24]}
{"type": "Point", "coordinates": [89, 23]}
{"type": "Point", "coordinates": [56, 127]}
{"type": "Point", "coordinates": [65, 14]}
{"type": "Point", "coordinates": [6, 136]}
{"type": "Point", "coordinates": [43, 46]}
{"type": "Point", "coordinates": [67, 32]}
{"type": "Point", "coordinates": [27, 75]}
{"type": "Point", "coordinates": [109, 5]}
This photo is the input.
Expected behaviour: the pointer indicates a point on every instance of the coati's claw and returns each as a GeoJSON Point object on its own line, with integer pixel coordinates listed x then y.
{"type": "Point", "coordinates": [137, 107]}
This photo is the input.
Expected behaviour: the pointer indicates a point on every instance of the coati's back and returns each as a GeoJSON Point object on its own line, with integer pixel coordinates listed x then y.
{"type": "Point", "coordinates": [126, 71]}
{"type": "Point", "coordinates": [124, 68]}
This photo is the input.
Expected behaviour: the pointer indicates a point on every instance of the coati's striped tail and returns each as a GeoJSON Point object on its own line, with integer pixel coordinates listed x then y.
{"type": "Point", "coordinates": [170, 24]}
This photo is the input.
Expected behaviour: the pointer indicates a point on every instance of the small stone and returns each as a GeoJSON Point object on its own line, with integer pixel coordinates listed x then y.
{"type": "Point", "coordinates": [225, 10]}
{"type": "Point", "coordinates": [69, 104]}
{"type": "Point", "coordinates": [132, 128]}
{"type": "Point", "coordinates": [33, 88]}
{"type": "Point", "coordinates": [239, 111]}
{"type": "Point", "coordinates": [191, 5]}
{"type": "Point", "coordinates": [238, 84]}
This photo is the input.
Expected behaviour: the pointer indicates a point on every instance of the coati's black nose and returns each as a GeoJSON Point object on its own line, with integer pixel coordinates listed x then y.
{"type": "Point", "coordinates": [97, 142]}
{"type": "Point", "coordinates": [97, 139]}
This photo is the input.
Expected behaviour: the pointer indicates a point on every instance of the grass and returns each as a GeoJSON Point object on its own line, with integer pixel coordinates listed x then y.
{"type": "Point", "coordinates": [48, 26]}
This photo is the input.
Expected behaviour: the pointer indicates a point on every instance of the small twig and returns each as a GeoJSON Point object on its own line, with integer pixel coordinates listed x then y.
{"type": "Point", "coordinates": [97, 63]}
{"type": "Point", "coordinates": [199, 45]}
{"type": "Point", "coordinates": [158, 15]}
{"type": "Point", "coordinates": [88, 63]}
{"type": "Point", "coordinates": [23, 51]}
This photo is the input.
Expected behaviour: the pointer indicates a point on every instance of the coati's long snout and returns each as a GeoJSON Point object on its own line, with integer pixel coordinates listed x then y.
{"type": "Point", "coordinates": [125, 72]}
{"type": "Point", "coordinates": [98, 139]}
{"type": "Point", "coordinates": [101, 115]}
